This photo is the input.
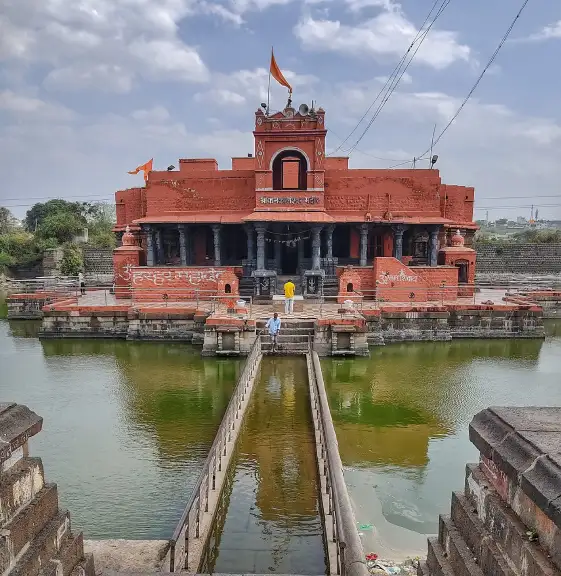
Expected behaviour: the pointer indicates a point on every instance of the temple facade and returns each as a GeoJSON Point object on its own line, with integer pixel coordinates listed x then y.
{"type": "Point", "coordinates": [288, 209]}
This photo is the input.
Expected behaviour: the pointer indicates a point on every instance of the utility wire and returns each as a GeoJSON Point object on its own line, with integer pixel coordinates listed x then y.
{"type": "Point", "coordinates": [394, 72]}
{"type": "Point", "coordinates": [397, 79]}
{"type": "Point", "coordinates": [487, 66]}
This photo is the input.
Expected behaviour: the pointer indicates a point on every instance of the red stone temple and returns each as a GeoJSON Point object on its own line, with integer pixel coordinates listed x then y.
{"type": "Point", "coordinates": [287, 209]}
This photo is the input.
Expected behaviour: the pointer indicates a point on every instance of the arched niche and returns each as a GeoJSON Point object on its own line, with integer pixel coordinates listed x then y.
{"type": "Point", "coordinates": [290, 170]}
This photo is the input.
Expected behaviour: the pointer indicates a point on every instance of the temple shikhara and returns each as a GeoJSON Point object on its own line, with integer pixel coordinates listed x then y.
{"type": "Point", "coordinates": [289, 209]}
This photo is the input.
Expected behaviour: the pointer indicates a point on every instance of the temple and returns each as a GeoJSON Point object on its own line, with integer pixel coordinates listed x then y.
{"type": "Point", "coordinates": [288, 209]}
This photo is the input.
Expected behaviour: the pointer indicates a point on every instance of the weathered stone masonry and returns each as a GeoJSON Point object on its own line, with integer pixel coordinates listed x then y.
{"type": "Point", "coordinates": [508, 519]}
{"type": "Point", "coordinates": [519, 258]}
{"type": "Point", "coordinates": [35, 534]}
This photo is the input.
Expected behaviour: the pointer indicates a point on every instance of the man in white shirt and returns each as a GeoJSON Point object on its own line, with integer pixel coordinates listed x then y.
{"type": "Point", "coordinates": [273, 325]}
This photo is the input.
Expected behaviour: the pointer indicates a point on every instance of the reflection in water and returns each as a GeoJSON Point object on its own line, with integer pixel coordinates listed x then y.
{"type": "Point", "coordinates": [127, 426]}
{"type": "Point", "coordinates": [271, 520]}
{"type": "Point", "coordinates": [402, 421]}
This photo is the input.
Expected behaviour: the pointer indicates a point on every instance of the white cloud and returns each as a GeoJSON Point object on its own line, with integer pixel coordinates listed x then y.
{"type": "Point", "coordinates": [550, 32]}
{"type": "Point", "coordinates": [220, 96]}
{"type": "Point", "coordinates": [32, 109]}
{"type": "Point", "coordinates": [104, 44]}
{"type": "Point", "coordinates": [386, 36]}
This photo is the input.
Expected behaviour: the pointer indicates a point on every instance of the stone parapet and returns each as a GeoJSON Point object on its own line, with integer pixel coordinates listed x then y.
{"type": "Point", "coordinates": [508, 520]}
{"type": "Point", "coordinates": [36, 537]}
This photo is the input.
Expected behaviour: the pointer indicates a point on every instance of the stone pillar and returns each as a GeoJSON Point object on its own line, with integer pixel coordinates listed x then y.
{"type": "Point", "coordinates": [182, 244]}
{"type": "Point", "coordinates": [250, 242]}
{"type": "Point", "coordinates": [398, 241]}
{"type": "Point", "coordinates": [316, 248]}
{"type": "Point", "coordinates": [363, 244]}
{"type": "Point", "coordinates": [260, 229]}
{"type": "Point", "coordinates": [149, 245]}
{"type": "Point", "coordinates": [277, 247]}
{"type": "Point", "coordinates": [216, 233]}
{"type": "Point", "coordinates": [301, 254]}
{"type": "Point", "coordinates": [329, 240]}
{"type": "Point", "coordinates": [433, 246]}
{"type": "Point", "coordinates": [159, 259]}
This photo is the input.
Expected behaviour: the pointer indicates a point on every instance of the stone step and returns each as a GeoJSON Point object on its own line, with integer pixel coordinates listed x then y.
{"type": "Point", "coordinates": [508, 531]}
{"type": "Point", "coordinates": [19, 485]}
{"type": "Point", "coordinates": [437, 563]}
{"type": "Point", "coordinates": [460, 557]}
{"type": "Point", "coordinates": [87, 568]}
{"type": "Point", "coordinates": [46, 545]}
{"type": "Point", "coordinates": [71, 553]}
{"type": "Point", "coordinates": [283, 337]}
{"type": "Point", "coordinates": [290, 324]}
{"type": "Point", "coordinates": [488, 556]}
{"type": "Point", "coordinates": [287, 348]}
{"type": "Point", "coordinates": [27, 524]}
{"type": "Point", "coordinates": [422, 569]}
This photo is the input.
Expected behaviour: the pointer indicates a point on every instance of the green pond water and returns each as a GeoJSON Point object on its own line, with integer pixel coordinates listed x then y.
{"type": "Point", "coordinates": [127, 427]}
{"type": "Point", "coordinates": [270, 520]}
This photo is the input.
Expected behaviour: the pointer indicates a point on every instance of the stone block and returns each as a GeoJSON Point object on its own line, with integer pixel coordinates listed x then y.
{"type": "Point", "coordinates": [19, 486]}
{"type": "Point", "coordinates": [437, 561]}
{"type": "Point", "coordinates": [70, 555]}
{"type": "Point", "coordinates": [17, 424]}
{"type": "Point", "coordinates": [460, 557]}
{"type": "Point", "coordinates": [27, 524]}
{"type": "Point", "coordinates": [44, 547]}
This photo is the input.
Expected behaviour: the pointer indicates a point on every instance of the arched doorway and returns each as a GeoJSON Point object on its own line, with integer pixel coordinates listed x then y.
{"type": "Point", "coordinates": [290, 171]}
{"type": "Point", "coordinates": [463, 271]}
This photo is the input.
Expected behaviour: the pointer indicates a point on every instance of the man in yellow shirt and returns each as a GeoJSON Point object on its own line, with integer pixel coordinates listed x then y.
{"type": "Point", "coordinates": [289, 289]}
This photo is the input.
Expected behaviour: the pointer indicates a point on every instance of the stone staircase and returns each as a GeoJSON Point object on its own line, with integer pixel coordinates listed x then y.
{"type": "Point", "coordinates": [331, 287]}
{"type": "Point", "coordinates": [293, 338]}
{"type": "Point", "coordinates": [35, 534]}
{"type": "Point", "coordinates": [246, 287]}
{"type": "Point", "coordinates": [484, 536]}
{"type": "Point", "coordinates": [282, 280]}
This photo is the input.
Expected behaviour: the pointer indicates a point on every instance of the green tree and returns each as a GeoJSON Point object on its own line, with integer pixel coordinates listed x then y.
{"type": "Point", "coordinates": [72, 260]}
{"type": "Point", "coordinates": [100, 225]}
{"type": "Point", "coordinates": [62, 226]}
{"type": "Point", "coordinates": [39, 212]}
{"type": "Point", "coordinates": [8, 222]}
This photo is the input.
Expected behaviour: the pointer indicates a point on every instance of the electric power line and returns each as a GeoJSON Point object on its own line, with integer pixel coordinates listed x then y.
{"type": "Point", "coordinates": [394, 72]}
{"type": "Point", "coordinates": [487, 66]}
{"type": "Point", "coordinates": [396, 81]}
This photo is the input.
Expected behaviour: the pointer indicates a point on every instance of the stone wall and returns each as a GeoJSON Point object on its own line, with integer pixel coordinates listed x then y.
{"type": "Point", "coordinates": [519, 258]}
{"type": "Point", "coordinates": [508, 518]}
{"type": "Point", "coordinates": [98, 266]}
{"type": "Point", "coordinates": [35, 533]}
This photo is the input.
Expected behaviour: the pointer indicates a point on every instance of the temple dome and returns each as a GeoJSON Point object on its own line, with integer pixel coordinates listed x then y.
{"type": "Point", "coordinates": [128, 237]}
{"type": "Point", "coordinates": [458, 239]}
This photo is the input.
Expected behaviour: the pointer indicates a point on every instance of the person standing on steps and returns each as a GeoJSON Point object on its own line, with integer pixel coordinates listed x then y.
{"type": "Point", "coordinates": [289, 289]}
{"type": "Point", "coordinates": [82, 283]}
{"type": "Point", "coordinates": [273, 325]}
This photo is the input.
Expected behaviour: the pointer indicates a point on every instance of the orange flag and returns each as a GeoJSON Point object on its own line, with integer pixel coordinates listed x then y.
{"type": "Point", "coordinates": [144, 168]}
{"type": "Point", "coordinates": [277, 74]}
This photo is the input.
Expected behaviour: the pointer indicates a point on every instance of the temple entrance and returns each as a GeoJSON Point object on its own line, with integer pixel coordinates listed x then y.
{"type": "Point", "coordinates": [289, 258]}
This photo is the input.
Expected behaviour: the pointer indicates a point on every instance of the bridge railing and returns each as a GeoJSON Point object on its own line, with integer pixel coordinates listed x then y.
{"type": "Point", "coordinates": [190, 536]}
{"type": "Point", "coordinates": [340, 524]}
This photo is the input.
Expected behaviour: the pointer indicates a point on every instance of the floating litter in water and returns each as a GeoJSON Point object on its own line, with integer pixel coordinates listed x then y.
{"type": "Point", "coordinates": [365, 527]}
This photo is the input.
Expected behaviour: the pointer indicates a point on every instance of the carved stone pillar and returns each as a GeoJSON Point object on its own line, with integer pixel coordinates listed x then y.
{"type": "Point", "coordinates": [329, 240]}
{"type": "Point", "coordinates": [363, 244]}
{"type": "Point", "coordinates": [398, 241]}
{"type": "Point", "coordinates": [278, 254]}
{"type": "Point", "coordinates": [250, 242]}
{"type": "Point", "coordinates": [182, 244]}
{"type": "Point", "coordinates": [316, 248]}
{"type": "Point", "coordinates": [216, 233]}
{"type": "Point", "coordinates": [260, 229]}
{"type": "Point", "coordinates": [149, 245]}
{"type": "Point", "coordinates": [159, 247]}
{"type": "Point", "coordinates": [301, 255]}
{"type": "Point", "coordinates": [433, 246]}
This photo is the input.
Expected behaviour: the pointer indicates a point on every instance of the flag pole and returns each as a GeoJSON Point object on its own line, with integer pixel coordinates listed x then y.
{"type": "Point", "coordinates": [269, 88]}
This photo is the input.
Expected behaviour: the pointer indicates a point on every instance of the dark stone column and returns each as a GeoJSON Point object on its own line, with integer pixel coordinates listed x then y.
{"type": "Point", "coordinates": [250, 242]}
{"type": "Point", "coordinates": [277, 247]}
{"type": "Point", "coordinates": [216, 232]}
{"type": "Point", "coordinates": [433, 246]}
{"type": "Point", "coordinates": [398, 241]}
{"type": "Point", "coordinates": [182, 244]}
{"type": "Point", "coordinates": [363, 244]}
{"type": "Point", "coordinates": [316, 248]}
{"type": "Point", "coordinates": [149, 245]}
{"type": "Point", "coordinates": [159, 247]}
{"type": "Point", "coordinates": [301, 254]}
{"type": "Point", "coordinates": [329, 240]}
{"type": "Point", "coordinates": [260, 229]}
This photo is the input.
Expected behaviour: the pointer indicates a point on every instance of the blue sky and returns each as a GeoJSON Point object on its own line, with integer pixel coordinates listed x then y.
{"type": "Point", "coordinates": [91, 88]}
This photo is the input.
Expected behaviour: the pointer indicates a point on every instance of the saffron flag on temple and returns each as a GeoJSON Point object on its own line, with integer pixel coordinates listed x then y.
{"type": "Point", "coordinates": [276, 73]}
{"type": "Point", "coordinates": [144, 168]}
